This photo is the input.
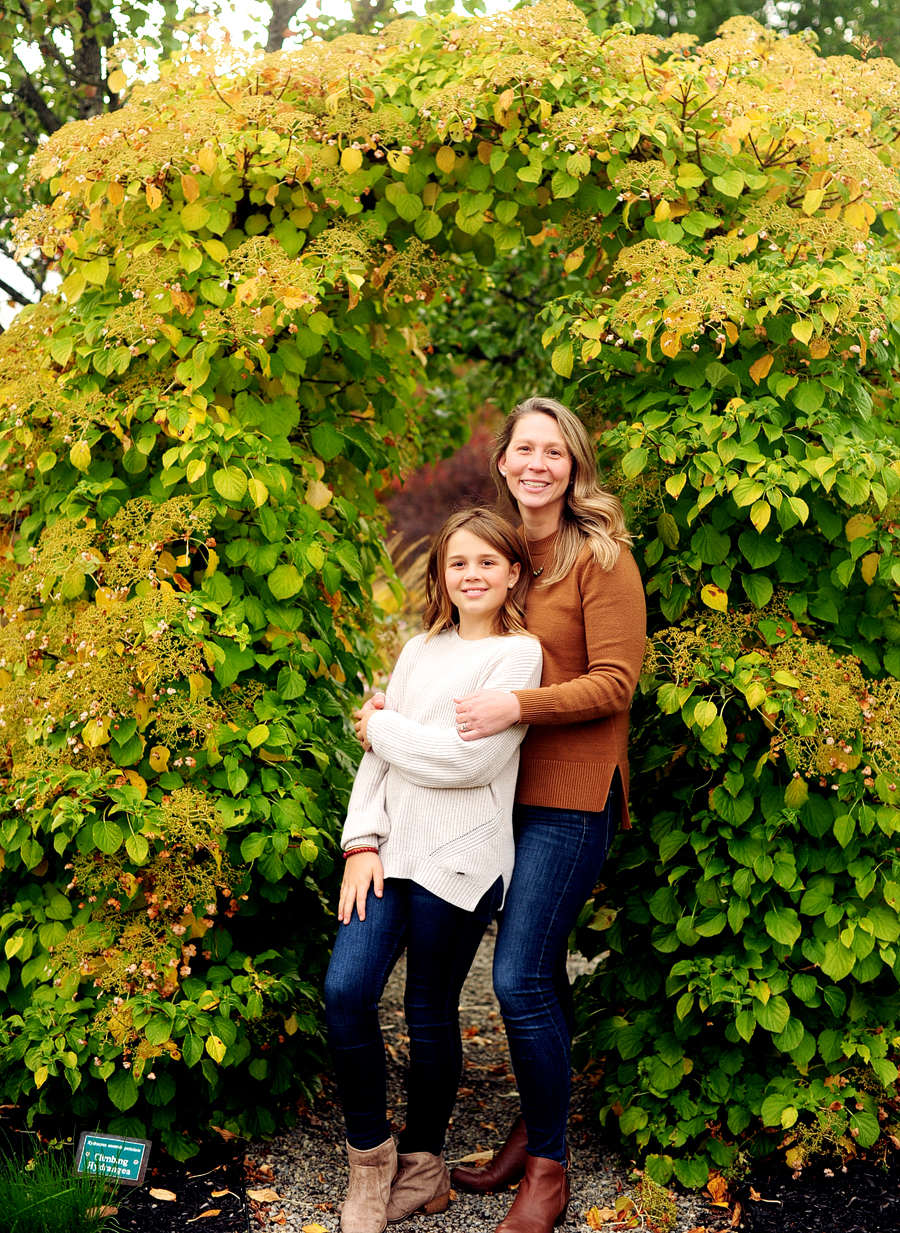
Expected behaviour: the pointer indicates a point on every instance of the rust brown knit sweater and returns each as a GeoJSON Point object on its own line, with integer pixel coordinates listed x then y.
{"type": "Point", "coordinates": [592, 627]}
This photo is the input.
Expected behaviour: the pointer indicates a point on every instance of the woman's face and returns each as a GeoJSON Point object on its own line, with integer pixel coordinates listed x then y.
{"type": "Point", "coordinates": [537, 464]}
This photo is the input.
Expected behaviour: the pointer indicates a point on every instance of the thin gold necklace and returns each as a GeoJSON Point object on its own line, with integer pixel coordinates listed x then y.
{"type": "Point", "coordinates": [537, 572]}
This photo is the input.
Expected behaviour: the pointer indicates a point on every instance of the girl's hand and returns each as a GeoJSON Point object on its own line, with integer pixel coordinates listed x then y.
{"type": "Point", "coordinates": [361, 718]}
{"type": "Point", "coordinates": [485, 713]}
{"type": "Point", "coordinates": [360, 872]}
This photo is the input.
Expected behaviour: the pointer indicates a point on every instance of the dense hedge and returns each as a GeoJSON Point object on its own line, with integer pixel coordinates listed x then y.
{"type": "Point", "coordinates": [194, 429]}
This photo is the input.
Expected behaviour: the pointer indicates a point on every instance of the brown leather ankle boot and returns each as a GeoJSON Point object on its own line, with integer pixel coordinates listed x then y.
{"type": "Point", "coordinates": [542, 1199]}
{"type": "Point", "coordinates": [507, 1166]}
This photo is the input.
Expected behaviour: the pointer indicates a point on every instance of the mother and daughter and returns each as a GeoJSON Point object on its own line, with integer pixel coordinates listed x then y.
{"type": "Point", "coordinates": [539, 630]}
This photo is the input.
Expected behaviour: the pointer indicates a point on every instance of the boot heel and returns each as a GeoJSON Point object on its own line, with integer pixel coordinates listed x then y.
{"type": "Point", "coordinates": [438, 1204]}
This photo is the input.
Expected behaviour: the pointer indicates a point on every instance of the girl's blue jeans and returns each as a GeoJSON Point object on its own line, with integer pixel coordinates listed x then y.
{"type": "Point", "coordinates": [440, 942]}
{"type": "Point", "coordinates": [559, 855]}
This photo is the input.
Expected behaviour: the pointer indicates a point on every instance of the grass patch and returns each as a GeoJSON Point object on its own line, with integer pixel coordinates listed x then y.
{"type": "Point", "coordinates": [45, 1196]}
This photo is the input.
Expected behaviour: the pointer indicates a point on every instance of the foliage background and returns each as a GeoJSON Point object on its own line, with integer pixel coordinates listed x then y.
{"type": "Point", "coordinates": [255, 252]}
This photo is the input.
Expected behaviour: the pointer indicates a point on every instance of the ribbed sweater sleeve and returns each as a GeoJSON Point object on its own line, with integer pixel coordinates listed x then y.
{"type": "Point", "coordinates": [436, 757]}
{"type": "Point", "coordinates": [367, 823]}
{"type": "Point", "coordinates": [615, 636]}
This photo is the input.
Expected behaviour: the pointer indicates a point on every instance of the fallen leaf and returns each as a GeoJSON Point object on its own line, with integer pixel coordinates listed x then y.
{"type": "Point", "coordinates": [314, 1228]}
{"type": "Point", "coordinates": [598, 1215]}
{"type": "Point", "coordinates": [168, 1195]}
{"type": "Point", "coordinates": [718, 1188]}
{"type": "Point", "coordinates": [264, 1196]}
{"type": "Point", "coordinates": [736, 1215]}
{"type": "Point", "coordinates": [227, 1135]}
{"type": "Point", "coordinates": [213, 1211]}
{"type": "Point", "coordinates": [101, 1212]}
{"type": "Point", "coordinates": [698, 1229]}
{"type": "Point", "coordinates": [755, 1195]}
{"type": "Point", "coordinates": [217, 1194]}
{"type": "Point", "coordinates": [476, 1158]}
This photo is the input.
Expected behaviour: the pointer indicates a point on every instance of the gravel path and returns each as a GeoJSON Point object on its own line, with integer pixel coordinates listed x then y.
{"type": "Point", "coordinates": [309, 1168]}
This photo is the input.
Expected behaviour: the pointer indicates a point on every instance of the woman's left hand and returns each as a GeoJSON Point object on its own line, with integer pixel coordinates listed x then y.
{"type": "Point", "coordinates": [361, 718]}
{"type": "Point", "coordinates": [485, 713]}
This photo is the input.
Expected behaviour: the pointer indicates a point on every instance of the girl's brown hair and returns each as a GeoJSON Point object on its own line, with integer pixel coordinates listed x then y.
{"type": "Point", "coordinates": [591, 513]}
{"type": "Point", "coordinates": [488, 525]}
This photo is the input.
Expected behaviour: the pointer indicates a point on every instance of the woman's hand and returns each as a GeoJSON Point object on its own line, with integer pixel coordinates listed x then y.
{"type": "Point", "coordinates": [361, 718]}
{"type": "Point", "coordinates": [360, 872]}
{"type": "Point", "coordinates": [485, 713]}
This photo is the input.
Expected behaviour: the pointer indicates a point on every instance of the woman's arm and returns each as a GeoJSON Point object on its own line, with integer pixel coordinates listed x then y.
{"type": "Point", "coordinates": [615, 636]}
{"type": "Point", "coordinates": [437, 757]}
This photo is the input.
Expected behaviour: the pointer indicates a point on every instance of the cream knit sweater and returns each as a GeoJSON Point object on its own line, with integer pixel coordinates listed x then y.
{"type": "Point", "coordinates": [439, 809]}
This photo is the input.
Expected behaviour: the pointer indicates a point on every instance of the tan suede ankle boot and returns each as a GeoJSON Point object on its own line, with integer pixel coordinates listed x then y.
{"type": "Point", "coordinates": [371, 1174]}
{"type": "Point", "coordinates": [422, 1184]}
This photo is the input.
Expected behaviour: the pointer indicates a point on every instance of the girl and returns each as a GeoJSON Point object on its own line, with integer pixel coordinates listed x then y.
{"type": "Point", "coordinates": [587, 607]}
{"type": "Point", "coordinates": [429, 854]}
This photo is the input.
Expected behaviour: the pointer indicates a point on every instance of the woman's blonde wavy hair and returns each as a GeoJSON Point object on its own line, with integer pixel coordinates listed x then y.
{"type": "Point", "coordinates": [590, 512]}
{"type": "Point", "coordinates": [503, 537]}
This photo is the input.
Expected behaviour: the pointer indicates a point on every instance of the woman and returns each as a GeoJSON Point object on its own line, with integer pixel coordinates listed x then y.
{"type": "Point", "coordinates": [428, 845]}
{"type": "Point", "coordinates": [586, 605]}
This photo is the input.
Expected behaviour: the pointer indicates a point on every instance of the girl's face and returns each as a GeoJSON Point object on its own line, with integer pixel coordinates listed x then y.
{"type": "Point", "coordinates": [478, 579]}
{"type": "Point", "coordinates": [537, 464]}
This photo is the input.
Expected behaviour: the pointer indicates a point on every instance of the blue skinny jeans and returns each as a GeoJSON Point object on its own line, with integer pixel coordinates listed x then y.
{"type": "Point", "coordinates": [440, 941]}
{"type": "Point", "coordinates": [559, 855]}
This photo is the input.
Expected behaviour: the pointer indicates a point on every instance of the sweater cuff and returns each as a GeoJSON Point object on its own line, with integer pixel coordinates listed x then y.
{"type": "Point", "coordinates": [362, 841]}
{"type": "Point", "coordinates": [536, 704]}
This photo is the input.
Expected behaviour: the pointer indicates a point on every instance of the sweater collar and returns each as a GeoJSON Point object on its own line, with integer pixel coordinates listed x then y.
{"type": "Point", "coordinates": [540, 547]}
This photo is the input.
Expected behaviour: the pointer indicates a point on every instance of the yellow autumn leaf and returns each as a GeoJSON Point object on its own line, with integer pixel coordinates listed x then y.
{"type": "Point", "coordinates": [662, 212]}
{"type": "Point", "coordinates": [216, 1048]}
{"type": "Point", "coordinates": [674, 485]}
{"type": "Point", "coordinates": [855, 216]}
{"type": "Point", "coordinates": [399, 162]}
{"type": "Point", "coordinates": [259, 493]}
{"type": "Point", "coordinates": [96, 732]}
{"type": "Point", "coordinates": [761, 368]}
{"type": "Point", "coordinates": [670, 343]}
{"type": "Point", "coordinates": [318, 494]}
{"type": "Point", "coordinates": [819, 348]}
{"type": "Point", "coordinates": [137, 781]}
{"type": "Point", "coordinates": [105, 597]}
{"type": "Point", "coordinates": [212, 563]}
{"type": "Point", "coordinates": [206, 160]}
{"type": "Point", "coordinates": [731, 330]}
{"type": "Point", "coordinates": [857, 526]}
{"type": "Point", "coordinates": [159, 759]}
{"type": "Point", "coordinates": [268, 1195]}
{"type": "Point", "coordinates": [40, 1076]}
{"type": "Point", "coordinates": [200, 685]}
{"type": "Point", "coordinates": [117, 81]}
{"type": "Point", "coordinates": [574, 259]}
{"type": "Point", "coordinates": [80, 455]}
{"type": "Point", "coordinates": [154, 196]}
{"type": "Point", "coordinates": [795, 793]}
{"type": "Point", "coordinates": [869, 567]}
{"type": "Point", "coordinates": [351, 160]}
{"type": "Point", "coordinates": [714, 597]}
{"type": "Point", "coordinates": [802, 330]}
{"type": "Point", "coordinates": [195, 470]}
{"type": "Point", "coordinates": [190, 187]}
{"type": "Point", "coordinates": [314, 1228]}
{"type": "Point", "coordinates": [760, 513]}
{"type": "Point", "coordinates": [116, 193]}
{"type": "Point", "coordinates": [812, 200]}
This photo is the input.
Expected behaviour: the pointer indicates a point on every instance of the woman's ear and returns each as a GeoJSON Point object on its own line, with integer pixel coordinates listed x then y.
{"type": "Point", "coordinates": [501, 464]}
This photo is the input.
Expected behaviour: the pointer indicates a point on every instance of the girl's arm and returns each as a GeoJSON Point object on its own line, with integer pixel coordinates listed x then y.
{"type": "Point", "coordinates": [437, 757]}
{"type": "Point", "coordinates": [368, 824]}
{"type": "Point", "coordinates": [615, 635]}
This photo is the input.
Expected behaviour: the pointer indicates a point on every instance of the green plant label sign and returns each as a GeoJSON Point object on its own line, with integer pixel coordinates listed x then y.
{"type": "Point", "coordinates": [123, 1159]}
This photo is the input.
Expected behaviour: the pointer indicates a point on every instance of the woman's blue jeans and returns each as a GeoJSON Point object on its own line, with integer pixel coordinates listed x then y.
{"type": "Point", "coordinates": [440, 941]}
{"type": "Point", "coordinates": [559, 855]}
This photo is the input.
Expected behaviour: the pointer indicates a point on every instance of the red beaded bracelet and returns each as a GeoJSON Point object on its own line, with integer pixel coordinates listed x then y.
{"type": "Point", "coordinates": [355, 851]}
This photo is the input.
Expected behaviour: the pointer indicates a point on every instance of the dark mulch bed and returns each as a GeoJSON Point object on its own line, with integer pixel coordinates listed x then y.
{"type": "Point", "coordinates": [864, 1197]}
{"type": "Point", "coordinates": [213, 1182]}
